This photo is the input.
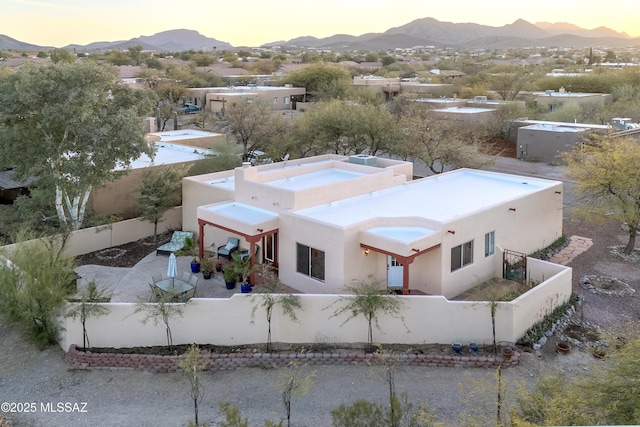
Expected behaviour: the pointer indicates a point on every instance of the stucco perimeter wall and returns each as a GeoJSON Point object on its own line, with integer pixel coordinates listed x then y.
{"type": "Point", "coordinates": [118, 233]}
{"type": "Point", "coordinates": [427, 319]}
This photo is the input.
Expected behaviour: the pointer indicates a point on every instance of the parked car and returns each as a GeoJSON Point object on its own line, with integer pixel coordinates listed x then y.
{"type": "Point", "coordinates": [188, 109]}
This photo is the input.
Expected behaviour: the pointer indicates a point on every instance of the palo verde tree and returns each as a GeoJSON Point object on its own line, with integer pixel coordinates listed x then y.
{"type": "Point", "coordinates": [370, 300]}
{"type": "Point", "coordinates": [192, 365]}
{"type": "Point", "coordinates": [293, 384]}
{"type": "Point", "coordinates": [162, 311]}
{"type": "Point", "coordinates": [271, 293]}
{"type": "Point", "coordinates": [608, 180]}
{"type": "Point", "coordinates": [87, 307]}
{"type": "Point", "coordinates": [75, 125]}
{"type": "Point", "coordinates": [158, 191]}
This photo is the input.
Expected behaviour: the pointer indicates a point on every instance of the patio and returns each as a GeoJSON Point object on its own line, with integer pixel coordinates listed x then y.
{"type": "Point", "coordinates": [132, 284]}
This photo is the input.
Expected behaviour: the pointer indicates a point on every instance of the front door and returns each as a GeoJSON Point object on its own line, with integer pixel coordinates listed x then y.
{"type": "Point", "coordinates": [394, 272]}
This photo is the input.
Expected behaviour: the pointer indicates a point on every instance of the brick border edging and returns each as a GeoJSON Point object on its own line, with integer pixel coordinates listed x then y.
{"type": "Point", "coordinates": [223, 361]}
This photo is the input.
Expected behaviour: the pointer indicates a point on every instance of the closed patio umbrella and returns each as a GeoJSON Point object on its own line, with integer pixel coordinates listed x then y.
{"type": "Point", "coordinates": [172, 270]}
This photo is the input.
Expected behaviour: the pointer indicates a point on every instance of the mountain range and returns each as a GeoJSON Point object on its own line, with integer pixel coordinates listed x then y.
{"type": "Point", "coordinates": [420, 32]}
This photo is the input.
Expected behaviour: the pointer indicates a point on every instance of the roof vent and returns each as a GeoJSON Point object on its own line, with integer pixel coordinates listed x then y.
{"type": "Point", "coordinates": [363, 159]}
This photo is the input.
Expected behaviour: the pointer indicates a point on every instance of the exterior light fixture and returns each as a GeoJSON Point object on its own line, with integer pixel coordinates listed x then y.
{"type": "Point", "coordinates": [451, 231]}
{"type": "Point", "coordinates": [512, 209]}
{"type": "Point", "coordinates": [366, 251]}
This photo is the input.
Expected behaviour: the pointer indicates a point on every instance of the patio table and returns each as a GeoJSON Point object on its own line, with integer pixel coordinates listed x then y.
{"type": "Point", "coordinates": [174, 286]}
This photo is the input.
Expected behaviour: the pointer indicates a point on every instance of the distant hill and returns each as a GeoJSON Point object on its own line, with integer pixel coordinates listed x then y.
{"type": "Point", "coordinates": [420, 32]}
{"type": "Point", "coordinates": [558, 28]}
{"type": "Point", "coordinates": [7, 43]}
{"type": "Point", "coordinates": [430, 31]}
{"type": "Point", "coordinates": [171, 40]}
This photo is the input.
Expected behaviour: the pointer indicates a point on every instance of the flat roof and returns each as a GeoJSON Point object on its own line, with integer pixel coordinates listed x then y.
{"type": "Point", "coordinates": [315, 179]}
{"type": "Point", "coordinates": [183, 135]}
{"type": "Point", "coordinates": [440, 198]}
{"type": "Point", "coordinates": [555, 128]}
{"type": "Point", "coordinates": [167, 154]}
{"type": "Point", "coordinates": [402, 234]}
{"type": "Point", "coordinates": [240, 212]}
{"type": "Point", "coordinates": [466, 110]}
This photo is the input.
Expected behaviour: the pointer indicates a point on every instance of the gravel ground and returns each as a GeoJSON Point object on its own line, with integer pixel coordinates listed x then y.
{"type": "Point", "coordinates": [119, 398]}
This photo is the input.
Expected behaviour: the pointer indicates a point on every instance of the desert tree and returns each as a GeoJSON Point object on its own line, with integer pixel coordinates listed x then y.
{"type": "Point", "coordinates": [606, 171]}
{"type": "Point", "coordinates": [370, 300]}
{"type": "Point", "coordinates": [322, 81]}
{"type": "Point", "coordinates": [62, 55]}
{"type": "Point", "coordinates": [293, 384]}
{"type": "Point", "coordinates": [162, 312]}
{"type": "Point", "coordinates": [507, 85]}
{"type": "Point", "coordinates": [252, 125]}
{"type": "Point", "coordinates": [75, 125]}
{"type": "Point", "coordinates": [440, 144]}
{"type": "Point", "coordinates": [192, 365]}
{"type": "Point", "coordinates": [34, 282]}
{"type": "Point", "coordinates": [88, 306]}
{"type": "Point", "coordinates": [158, 191]}
{"type": "Point", "coordinates": [270, 294]}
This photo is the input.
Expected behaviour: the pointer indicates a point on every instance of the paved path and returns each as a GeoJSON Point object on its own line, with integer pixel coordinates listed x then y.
{"type": "Point", "coordinates": [577, 245]}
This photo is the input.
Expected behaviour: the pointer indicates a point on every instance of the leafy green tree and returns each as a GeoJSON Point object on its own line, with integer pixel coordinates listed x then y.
{"type": "Point", "coordinates": [62, 56]}
{"type": "Point", "coordinates": [159, 190]}
{"type": "Point", "coordinates": [34, 281]}
{"type": "Point", "coordinates": [368, 299]}
{"type": "Point", "coordinates": [270, 294]}
{"type": "Point", "coordinates": [89, 133]}
{"type": "Point", "coordinates": [319, 79]}
{"type": "Point", "coordinates": [88, 307]}
{"type": "Point", "coordinates": [225, 158]}
{"type": "Point", "coordinates": [608, 179]}
{"type": "Point", "coordinates": [252, 125]}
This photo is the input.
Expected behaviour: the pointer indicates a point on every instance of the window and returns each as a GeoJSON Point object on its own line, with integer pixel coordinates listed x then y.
{"type": "Point", "coordinates": [310, 262]}
{"type": "Point", "coordinates": [461, 255]}
{"type": "Point", "coordinates": [489, 243]}
{"type": "Point", "coordinates": [275, 99]}
{"type": "Point", "coordinates": [285, 100]}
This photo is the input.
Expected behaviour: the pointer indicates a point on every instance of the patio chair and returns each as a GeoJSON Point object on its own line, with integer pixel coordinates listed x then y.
{"type": "Point", "coordinates": [244, 254]}
{"type": "Point", "coordinates": [232, 245]}
{"type": "Point", "coordinates": [156, 277]}
{"type": "Point", "coordinates": [175, 244]}
{"type": "Point", "coordinates": [186, 276]}
{"type": "Point", "coordinates": [191, 293]}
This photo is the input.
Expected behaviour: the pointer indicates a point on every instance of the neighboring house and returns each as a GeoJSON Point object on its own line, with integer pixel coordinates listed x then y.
{"type": "Point", "coordinates": [10, 189]}
{"type": "Point", "coordinates": [545, 141]}
{"type": "Point", "coordinates": [330, 220]}
{"type": "Point", "coordinates": [173, 148]}
{"type": "Point", "coordinates": [391, 87]}
{"type": "Point", "coordinates": [280, 98]}
{"type": "Point", "coordinates": [466, 115]}
{"type": "Point", "coordinates": [551, 100]}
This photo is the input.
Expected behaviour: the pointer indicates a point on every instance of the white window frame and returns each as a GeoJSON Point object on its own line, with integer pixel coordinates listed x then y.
{"type": "Point", "coordinates": [461, 255]}
{"type": "Point", "coordinates": [489, 243]}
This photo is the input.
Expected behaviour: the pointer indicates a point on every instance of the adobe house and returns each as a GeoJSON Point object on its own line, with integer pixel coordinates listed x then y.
{"type": "Point", "coordinates": [545, 141]}
{"type": "Point", "coordinates": [551, 100]}
{"type": "Point", "coordinates": [215, 98]}
{"type": "Point", "coordinates": [330, 220]}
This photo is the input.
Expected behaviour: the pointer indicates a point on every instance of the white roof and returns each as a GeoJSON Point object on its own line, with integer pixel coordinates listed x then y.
{"type": "Point", "coordinates": [168, 154]}
{"type": "Point", "coordinates": [183, 135]}
{"type": "Point", "coordinates": [439, 198]}
{"type": "Point", "coordinates": [466, 110]}
{"type": "Point", "coordinates": [315, 179]}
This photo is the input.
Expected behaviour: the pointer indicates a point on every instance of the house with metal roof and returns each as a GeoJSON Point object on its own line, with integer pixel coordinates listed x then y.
{"type": "Point", "coordinates": [329, 221]}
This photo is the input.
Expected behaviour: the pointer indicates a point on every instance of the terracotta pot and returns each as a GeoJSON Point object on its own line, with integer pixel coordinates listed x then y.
{"type": "Point", "coordinates": [506, 353]}
{"type": "Point", "coordinates": [563, 347]}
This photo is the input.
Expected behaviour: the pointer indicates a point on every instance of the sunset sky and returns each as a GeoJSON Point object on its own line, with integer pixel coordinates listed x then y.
{"type": "Point", "coordinates": [253, 22]}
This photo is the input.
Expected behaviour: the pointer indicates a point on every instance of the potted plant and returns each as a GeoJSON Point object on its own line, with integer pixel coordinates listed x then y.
{"type": "Point", "coordinates": [206, 265]}
{"type": "Point", "coordinates": [191, 248]}
{"type": "Point", "coordinates": [229, 275]}
{"type": "Point", "coordinates": [242, 267]}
